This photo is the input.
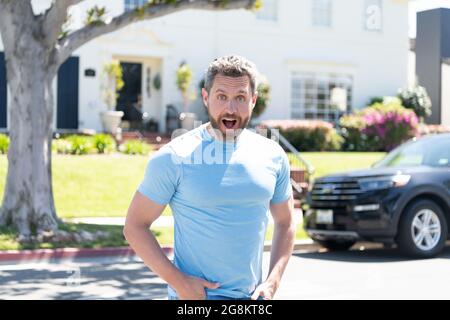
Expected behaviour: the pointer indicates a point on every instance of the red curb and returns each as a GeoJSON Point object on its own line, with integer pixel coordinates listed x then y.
{"type": "Point", "coordinates": [64, 253]}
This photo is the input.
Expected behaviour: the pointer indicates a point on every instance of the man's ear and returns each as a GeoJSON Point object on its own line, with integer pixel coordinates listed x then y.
{"type": "Point", "coordinates": [205, 97]}
{"type": "Point", "coordinates": [254, 98]}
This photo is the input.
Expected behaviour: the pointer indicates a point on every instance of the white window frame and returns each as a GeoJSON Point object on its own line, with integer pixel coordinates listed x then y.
{"type": "Point", "coordinates": [307, 87]}
{"type": "Point", "coordinates": [321, 13]}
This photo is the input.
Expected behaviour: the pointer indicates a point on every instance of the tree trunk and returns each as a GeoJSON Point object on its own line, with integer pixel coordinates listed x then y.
{"type": "Point", "coordinates": [28, 203]}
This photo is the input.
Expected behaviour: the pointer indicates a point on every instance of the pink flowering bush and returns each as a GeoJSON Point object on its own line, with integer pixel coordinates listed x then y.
{"type": "Point", "coordinates": [308, 135]}
{"type": "Point", "coordinates": [382, 126]}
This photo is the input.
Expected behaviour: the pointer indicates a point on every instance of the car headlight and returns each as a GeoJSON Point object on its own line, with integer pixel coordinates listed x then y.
{"type": "Point", "coordinates": [398, 180]}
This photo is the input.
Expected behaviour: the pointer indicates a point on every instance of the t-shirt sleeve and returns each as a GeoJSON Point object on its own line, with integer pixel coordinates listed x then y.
{"type": "Point", "coordinates": [161, 178]}
{"type": "Point", "coordinates": [283, 187]}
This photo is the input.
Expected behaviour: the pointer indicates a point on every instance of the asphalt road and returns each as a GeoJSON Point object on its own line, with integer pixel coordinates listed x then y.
{"type": "Point", "coordinates": [356, 274]}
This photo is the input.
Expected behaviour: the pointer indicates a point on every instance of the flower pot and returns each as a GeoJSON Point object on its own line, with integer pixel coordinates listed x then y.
{"type": "Point", "coordinates": [111, 120]}
{"type": "Point", "coordinates": [188, 120]}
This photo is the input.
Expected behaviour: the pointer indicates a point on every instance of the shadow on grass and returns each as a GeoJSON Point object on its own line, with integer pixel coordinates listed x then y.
{"type": "Point", "coordinates": [114, 238]}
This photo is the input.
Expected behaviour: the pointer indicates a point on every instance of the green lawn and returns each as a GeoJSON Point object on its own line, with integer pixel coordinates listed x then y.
{"type": "Point", "coordinates": [332, 162]}
{"type": "Point", "coordinates": [92, 185]}
{"type": "Point", "coordinates": [103, 185]}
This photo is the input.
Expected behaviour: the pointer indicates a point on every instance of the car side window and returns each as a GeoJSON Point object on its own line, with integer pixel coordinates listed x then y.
{"type": "Point", "coordinates": [439, 155]}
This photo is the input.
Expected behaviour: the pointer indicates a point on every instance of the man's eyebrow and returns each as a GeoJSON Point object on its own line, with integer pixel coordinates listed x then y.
{"type": "Point", "coordinates": [240, 91]}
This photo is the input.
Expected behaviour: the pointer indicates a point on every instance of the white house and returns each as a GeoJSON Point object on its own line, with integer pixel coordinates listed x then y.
{"type": "Point", "coordinates": [321, 57]}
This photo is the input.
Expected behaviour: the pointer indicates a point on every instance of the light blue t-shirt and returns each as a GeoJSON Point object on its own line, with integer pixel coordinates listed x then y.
{"type": "Point", "coordinates": [219, 193]}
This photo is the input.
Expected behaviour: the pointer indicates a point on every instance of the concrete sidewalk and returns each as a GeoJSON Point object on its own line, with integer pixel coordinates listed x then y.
{"type": "Point", "coordinates": [162, 221]}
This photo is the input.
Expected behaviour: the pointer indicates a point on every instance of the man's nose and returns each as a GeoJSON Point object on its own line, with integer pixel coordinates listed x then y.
{"type": "Point", "coordinates": [231, 106]}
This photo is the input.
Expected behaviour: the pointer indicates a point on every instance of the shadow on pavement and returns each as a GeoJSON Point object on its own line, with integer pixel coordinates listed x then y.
{"type": "Point", "coordinates": [124, 280]}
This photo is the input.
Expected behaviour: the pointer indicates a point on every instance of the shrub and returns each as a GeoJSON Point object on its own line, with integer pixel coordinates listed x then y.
{"type": "Point", "coordinates": [263, 98]}
{"type": "Point", "coordinates": [417, 99]}
{"type": "Point", "coordinates": [135, 147]}
{"type": "Point", "coordinates": [4, 144]}
{"type": "Point", "coordinates": [351, 127]}
{"type": "Point", "coordinates": [104, 143]}
{"type": "Point", "coordinates": [308, 135]}
{"type": "Point", "coordinates": [80, 144]}
{"type": "Point", "coordinates": [61, 146]}
{"type": "Point", "coordinates": [382, 127]}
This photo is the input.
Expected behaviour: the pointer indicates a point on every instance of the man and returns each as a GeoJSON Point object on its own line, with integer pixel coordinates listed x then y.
{"type": "Point", "coordinates": [220, 180]}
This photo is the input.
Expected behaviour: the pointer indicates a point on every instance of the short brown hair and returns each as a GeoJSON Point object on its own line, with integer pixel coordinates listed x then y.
{"type": "Point", "coordinates": [231, 66]}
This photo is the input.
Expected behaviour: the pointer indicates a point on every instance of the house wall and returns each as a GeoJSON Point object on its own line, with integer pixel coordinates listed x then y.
{"type": "Point", "coordinates": [377, 60]}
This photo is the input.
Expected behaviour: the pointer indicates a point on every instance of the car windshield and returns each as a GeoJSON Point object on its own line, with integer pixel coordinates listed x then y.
{"type": "Point", "coordinates": [433, 152]}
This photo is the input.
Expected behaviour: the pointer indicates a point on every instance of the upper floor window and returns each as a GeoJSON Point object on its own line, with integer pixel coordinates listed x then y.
{"type": "Point", "coordinates": [269, 10]}
{"type": "Point", "coordinates": [133, 4]}
{"type": "Point", "coordinates": [321, 13]}
{"type": "Point", "coordinates": [373, 15]}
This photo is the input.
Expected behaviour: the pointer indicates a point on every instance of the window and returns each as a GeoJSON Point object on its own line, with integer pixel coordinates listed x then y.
{"type": "Point", "coordinates": [133, 4]}
{"type": "Point", "coordinates": [269, 10]}
{"type": "Point", "coordinates": [320, 96]}
{"type": "Point", "coordinates": [321, 13]}
{"type": "Point", "coordinates": [373, 15]}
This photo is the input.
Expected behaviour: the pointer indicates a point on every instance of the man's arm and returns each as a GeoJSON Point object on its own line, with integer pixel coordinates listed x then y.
{"type": "Point", "coordinates": [282, 247]}
{"type": "Point", "coordinates": [141, 214]}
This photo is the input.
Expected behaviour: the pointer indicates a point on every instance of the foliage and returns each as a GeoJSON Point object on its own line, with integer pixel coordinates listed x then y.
{"type": "Point", "coordinates": [96, 16]}
{"type": "Point", "coordinates": [80, 145]}
{"type": "Point", "coordinates": [417, 99]}
{"type": "Point", "coordinates": [263, 99]}
{"type": "Point", "coordinates": [308, 135]}
{"type": "Point", "coordinates": [135, 147]}
{"type": "Point", "coordinates": [4, 144]}
{"type": "Point", "coordinates": [184, 77]}
{"type": "Point", "coordinates": [104, 143]}
{"type": "Point", "coordinates": [112, 83]}
{"type": "Point", "coordinates": [379, 127]}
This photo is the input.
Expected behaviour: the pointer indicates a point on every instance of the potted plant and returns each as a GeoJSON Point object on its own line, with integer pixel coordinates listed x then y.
{"type": "Point", "coordinates": [184, 79]}
{"type": "Point", "coordinates": [112, 84]}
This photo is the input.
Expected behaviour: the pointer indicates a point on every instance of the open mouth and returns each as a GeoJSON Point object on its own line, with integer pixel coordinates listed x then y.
{"type": "Point", "coordinates": [229, 123]}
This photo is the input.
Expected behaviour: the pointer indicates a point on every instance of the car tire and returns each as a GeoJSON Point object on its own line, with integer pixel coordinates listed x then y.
{"type": "Point", "coordinates": [418, 238]}
{"type": "Point", "coordinates": [334, 245]}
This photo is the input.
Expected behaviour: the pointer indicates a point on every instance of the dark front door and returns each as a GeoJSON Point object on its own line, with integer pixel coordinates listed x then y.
{"type": "Point", "coordinates": [3, 92]}
{"type": "Point", "coordinates": [67, 101]}
{"type": "Point", "coordinates": [130, 94]}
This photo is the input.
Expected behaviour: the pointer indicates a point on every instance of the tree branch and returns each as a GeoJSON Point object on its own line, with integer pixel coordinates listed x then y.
{"type": "Point", "coordinates": [54, 17]}
{"type": "Point", "coordinates": [152, 11]}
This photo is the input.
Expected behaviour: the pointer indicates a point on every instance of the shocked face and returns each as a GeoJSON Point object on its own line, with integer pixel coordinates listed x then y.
{"type": "Point", "coordinates": [230, 104]}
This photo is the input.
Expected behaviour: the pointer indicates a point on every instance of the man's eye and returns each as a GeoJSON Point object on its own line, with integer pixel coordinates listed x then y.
{"type": "Point", "coordinates": [222, 97]}
{"type": "Point", "coordinates": [241, 99]}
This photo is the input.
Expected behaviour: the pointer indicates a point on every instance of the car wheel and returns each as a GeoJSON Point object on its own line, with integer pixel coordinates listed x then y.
{"type": "Point", "coordinates": [334, 245]}
{"type": "Point", "coordinates": [422, 230]}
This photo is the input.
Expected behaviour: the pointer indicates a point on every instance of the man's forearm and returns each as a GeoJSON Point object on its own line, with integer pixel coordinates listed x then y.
{"type": "Point", "coordinates": [144, 243]}
{"type": "Point", "coordinates": [282, 247]}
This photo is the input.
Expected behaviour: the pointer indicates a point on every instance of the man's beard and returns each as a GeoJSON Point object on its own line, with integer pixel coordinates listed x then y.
{"type": "Point", "coordinates": [219, 125]}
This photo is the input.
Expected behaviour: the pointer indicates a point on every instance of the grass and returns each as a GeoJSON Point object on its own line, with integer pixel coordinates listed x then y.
{"type": "Point", "coordinates": [333, 162]}
{"type": "Point", "coordinates": [92, 185]}
{"type": "Point", "coordinates": [103, 185]}
{"type": "Point", "coordinates": [115, 238]}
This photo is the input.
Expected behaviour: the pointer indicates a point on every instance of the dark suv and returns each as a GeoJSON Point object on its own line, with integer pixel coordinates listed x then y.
{"type": "Point", "coordinates": [402, 199]}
